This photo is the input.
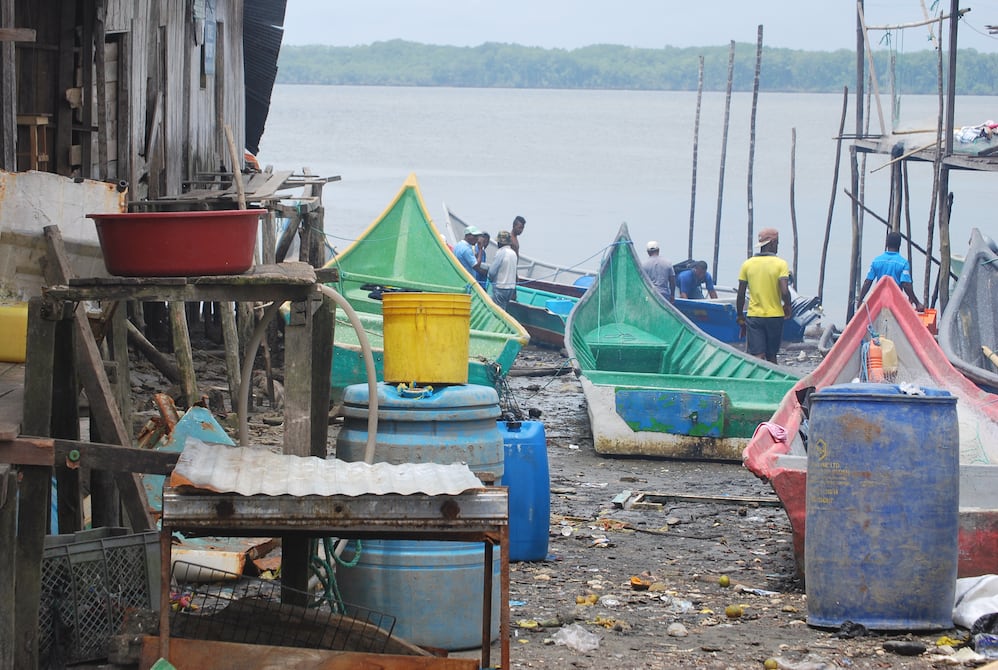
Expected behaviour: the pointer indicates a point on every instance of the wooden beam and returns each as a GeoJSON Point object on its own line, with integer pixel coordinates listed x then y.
{"type": "Point", "coordinates": [8, 532]}
{"type": "Point", "coordinates": [17, 34]}
{"type": "Point", "coordinates": [29, 450]}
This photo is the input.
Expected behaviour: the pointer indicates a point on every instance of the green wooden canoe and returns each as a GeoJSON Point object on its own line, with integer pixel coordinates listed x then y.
{"type": "Point", "coordinates": [402, 249]}
{"type": "Point", "coordinates": [655, 384]}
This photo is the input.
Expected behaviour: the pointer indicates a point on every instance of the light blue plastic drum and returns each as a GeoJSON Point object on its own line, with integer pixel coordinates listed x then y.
{"type": "Point", "coordinates": [527, 477]}
{"type": "Point", "coordinates": [433, 588]}
{"type": "Point", "coordinates": [882, 508]}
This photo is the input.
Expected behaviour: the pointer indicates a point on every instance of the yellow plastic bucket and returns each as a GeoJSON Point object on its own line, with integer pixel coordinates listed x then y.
{"type": "Point", "coordinates": [426, 337]}
{"type": "Point", "coordinates": [13, 332]}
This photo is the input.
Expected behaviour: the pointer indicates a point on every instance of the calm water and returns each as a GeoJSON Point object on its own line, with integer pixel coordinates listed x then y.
{"type": "Point", "coordinates": [577, 164]}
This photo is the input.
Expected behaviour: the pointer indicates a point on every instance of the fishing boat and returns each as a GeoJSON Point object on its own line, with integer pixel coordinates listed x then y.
{"type": "Point", "coordinates": [402, 250]}
{"type": "Point", "coordinates": [542, 314]}
{"type": "Point", "coordinates": [968, 329]}
{"type": "Point", "coordinates": [887, 313]}
{"type": "Point", "coordinates": [655, 384]}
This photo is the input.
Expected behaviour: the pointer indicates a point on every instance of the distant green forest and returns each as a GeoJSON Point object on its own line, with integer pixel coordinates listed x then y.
{"type": "Point", "coordinates": [494, 65]}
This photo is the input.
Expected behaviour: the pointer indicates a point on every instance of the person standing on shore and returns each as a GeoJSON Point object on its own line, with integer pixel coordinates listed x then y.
{"type": "Point", "coordinates": [766, 276]}
{"type": "Point", "coordinates": [519, 223]}
{"type": "Point", "coordinates": [465, 251]}
{"type": "Point", "coordinates": [482, 266]}
{"type": "Point", "coordinates": [891, 264]}
{"type": "Point", "coordinates": [502, 272]}
{"type": "Point", "coordinates": [660, 272]}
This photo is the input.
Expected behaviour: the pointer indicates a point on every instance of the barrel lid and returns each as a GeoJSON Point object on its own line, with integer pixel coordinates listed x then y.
{"type": "Point", "coordinates": [877, 389]}
{"type": "Point", "coordinates": [462, 397]}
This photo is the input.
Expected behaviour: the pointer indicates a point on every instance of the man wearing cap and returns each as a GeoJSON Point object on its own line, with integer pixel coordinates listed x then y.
{"type": "Point", "coordinates": [767, 278]}
{"type": "Point", "coordinates": [465, 250]}
{"type": "Point", "coordinates": [502, 271]}
{"type": "Point", "coordinates": [660, 272]}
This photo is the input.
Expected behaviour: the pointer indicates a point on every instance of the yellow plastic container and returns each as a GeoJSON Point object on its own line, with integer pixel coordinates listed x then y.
{"type": "Point", "coordinates": [426, 337]}
{"type": "Point", "coordinates": [13, 332]}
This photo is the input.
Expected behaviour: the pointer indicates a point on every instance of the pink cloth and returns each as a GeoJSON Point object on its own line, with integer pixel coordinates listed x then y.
{"type": "Point", "coordinates": [776, 431]}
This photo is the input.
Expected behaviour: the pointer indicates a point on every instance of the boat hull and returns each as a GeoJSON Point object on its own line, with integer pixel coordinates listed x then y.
{"type": "Point", "coordinates": [784, 463]}
{"type": "Point", "coordinates": [655, 384]}
{"type": "Point", "coordinates": [970, 320]}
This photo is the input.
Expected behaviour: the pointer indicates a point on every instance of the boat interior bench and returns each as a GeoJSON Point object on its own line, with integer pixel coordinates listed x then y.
{"type": "Point", "coordinates": [627, 349]}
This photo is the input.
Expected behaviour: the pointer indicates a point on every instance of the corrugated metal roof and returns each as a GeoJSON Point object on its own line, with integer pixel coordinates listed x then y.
{"type": "Point", "coordinates": [262, 37]}
{"type": "Point", "coordinates": [249, 471]}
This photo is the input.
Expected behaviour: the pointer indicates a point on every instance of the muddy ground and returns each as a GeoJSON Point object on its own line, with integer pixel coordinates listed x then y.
{"type": "Point", "coordinates": [680, 548]}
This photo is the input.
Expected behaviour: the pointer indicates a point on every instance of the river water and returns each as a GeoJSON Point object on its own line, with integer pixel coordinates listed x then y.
{"type": "Point", "coordinates": [578, 164]}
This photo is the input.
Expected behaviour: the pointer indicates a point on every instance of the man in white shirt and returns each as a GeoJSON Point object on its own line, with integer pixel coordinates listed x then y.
{"type": "Point", "coordinates": [502, 272]}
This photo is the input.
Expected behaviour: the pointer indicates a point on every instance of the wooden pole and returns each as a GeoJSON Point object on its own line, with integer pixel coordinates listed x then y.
{"type": "Point", "coordinates": [937, 163]}
{"type": "Point", "coordinates": [696, 142]}
{"type": "Point", "coordinates": [751, 155]}
{"type": "Point", "coordinates": [793, 203]}
{"type": "Point", "coordinates": [835, 186]}
{"type": "Point", "coordinates": [100, 12]}
{"type": "Point", "coordinates": [873, 71]}
{"type": "Point", "coordinates": [944, 241]}
{"type": "Point", "coordinates": [724, 152]}
{"type": "Point", "coordinates": [230, 331]}
{"type": "Point", "coordinates": [854, 249]}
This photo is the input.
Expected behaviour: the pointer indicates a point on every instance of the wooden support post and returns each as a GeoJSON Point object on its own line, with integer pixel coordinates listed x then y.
{"type": "Point", "coordinates": [232, 359]}
{"type": "Point", "coordinates": [33, 487]}
{"type": "Point", "coordinates": [8, 545]}
{"type": "Point", "coordinates": [65, 423]}
{"type": "Point", "coordinates": [307, 362]}
{"type": "Point", "coordinates": [182, 350]}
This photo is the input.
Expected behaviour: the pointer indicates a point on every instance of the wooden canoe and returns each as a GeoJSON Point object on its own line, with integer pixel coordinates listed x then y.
{"type": "Point", "coordinates": [655, 384]}
{"type": "Point", "coordinates": [920, 361]}
{"type": "Point", "coordinates": [403, 250]}
{"type": "Point", "coordinates": [968, 329]}
{"type": "Point", "coordinates": [542, 314]}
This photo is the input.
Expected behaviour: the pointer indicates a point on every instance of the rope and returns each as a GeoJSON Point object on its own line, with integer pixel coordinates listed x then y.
{"type": "Point", "coordinates": [324, 572]}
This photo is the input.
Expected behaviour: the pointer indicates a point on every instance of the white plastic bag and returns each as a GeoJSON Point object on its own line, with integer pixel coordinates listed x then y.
{"type": "Point", "coordinates": [576, 637]}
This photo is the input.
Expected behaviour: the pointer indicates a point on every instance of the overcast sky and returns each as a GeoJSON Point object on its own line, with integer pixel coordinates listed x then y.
{"type": "Point", "coordinates": [568, 24]}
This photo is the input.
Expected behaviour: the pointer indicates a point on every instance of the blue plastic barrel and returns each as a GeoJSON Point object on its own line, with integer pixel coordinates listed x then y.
{"type": "Point", "coordinates": [450, 424]}
{"type": "Point", "coordinates": [526, 475]}
{"type": "Point", "coordinates": [882, 508]}
{"type": "Point", "coordinates": [433, 588]}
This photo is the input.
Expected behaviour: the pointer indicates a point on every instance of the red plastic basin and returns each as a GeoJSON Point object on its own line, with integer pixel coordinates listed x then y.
{"type": "Point", "coordinates": [177, 244]}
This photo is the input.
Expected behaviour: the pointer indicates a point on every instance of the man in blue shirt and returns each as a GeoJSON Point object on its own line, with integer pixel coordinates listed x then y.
{"type": "Point", "coordinates": [891, 264]}
{"type": "Point", "coordinates": [465, 251]}
{"type": "Point", "coordinates": [688, 282]}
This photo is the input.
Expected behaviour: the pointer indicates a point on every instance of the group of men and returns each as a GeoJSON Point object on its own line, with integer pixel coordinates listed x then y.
{"type": "Point", "coordinates": [686, 283]}
{"type": "Point", "coordinates": [499, 275]}
{"type": "Point", "coordinates": [765, 278]}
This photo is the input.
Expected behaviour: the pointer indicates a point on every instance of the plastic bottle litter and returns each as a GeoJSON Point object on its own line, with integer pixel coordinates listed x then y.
{"type": "Point", "coordinates": [576, 637]}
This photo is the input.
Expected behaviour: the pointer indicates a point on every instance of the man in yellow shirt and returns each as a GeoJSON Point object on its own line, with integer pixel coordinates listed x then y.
{"type": "Point", "coordinates": [767, 278]}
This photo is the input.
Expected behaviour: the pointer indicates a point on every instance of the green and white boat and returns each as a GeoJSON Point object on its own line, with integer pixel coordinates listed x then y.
{"type": "Point", "coordinates": [402, 250]}
{"type": "Point", "coordinates": [655, 384]}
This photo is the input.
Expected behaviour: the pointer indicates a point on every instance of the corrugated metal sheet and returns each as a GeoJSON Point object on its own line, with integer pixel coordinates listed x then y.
{"type": "Point", "coordinates": [262, 37]}
{"type": "Point", "coordinates": [250, 471]}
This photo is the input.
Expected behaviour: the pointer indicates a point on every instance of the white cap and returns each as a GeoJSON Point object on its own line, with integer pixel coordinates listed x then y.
{"type": "Point", "coordinates": [652, 246]}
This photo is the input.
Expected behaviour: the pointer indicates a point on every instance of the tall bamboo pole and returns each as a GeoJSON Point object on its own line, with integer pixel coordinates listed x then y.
{"type": "Point", "coordinates": [793, 202]}
{"type": "Point", "coordinates": [944, 241]}
{"type": "Point", "coordinates": [724, 151]}
{"type": "Point", "coordinates": [696, 143]}
{"type": "Point", "coordinates": [937, 163]}
{"type": "Point", "coordinates": [751, 156]}
{"type": "Point", "coordinates": [835, 186]}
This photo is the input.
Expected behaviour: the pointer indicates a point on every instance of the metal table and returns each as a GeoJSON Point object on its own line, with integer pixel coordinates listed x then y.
{"type": "Point", "coordinates": [476, 515]}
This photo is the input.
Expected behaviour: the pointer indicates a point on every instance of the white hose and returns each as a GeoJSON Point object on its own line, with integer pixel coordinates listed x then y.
{"type": "Point", "coordinates": [365, 346]}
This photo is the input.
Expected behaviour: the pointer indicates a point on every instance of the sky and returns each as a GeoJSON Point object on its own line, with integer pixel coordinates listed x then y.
{"type": "Point", "coordinates": [821, 25]}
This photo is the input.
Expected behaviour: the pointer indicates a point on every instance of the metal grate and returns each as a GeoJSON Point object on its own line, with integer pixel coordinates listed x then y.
{"type": "Point", "coordinates": [216, 605]}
